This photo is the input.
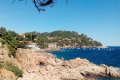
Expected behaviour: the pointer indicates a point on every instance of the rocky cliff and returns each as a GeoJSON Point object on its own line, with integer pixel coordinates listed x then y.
{"type": "Point", "coordinates": [42, 66]}
{"type": "Point", "coordinates": [38, 65]}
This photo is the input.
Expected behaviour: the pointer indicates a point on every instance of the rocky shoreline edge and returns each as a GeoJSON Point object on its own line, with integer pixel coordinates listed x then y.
{"type": "Point", "coordinates": [39, 65]}
{"type": "Point", "coordinates": [68, 47]}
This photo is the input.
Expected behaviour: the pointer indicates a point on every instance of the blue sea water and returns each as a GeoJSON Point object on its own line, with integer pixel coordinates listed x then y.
{"type": "Point", "coordinates": [109, 56]}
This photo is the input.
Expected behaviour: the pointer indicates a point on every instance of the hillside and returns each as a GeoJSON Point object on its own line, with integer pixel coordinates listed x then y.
{"type": "Point", "coordinates": [62, 39]}
{"type": "Point", "coordinates": [45, 40]}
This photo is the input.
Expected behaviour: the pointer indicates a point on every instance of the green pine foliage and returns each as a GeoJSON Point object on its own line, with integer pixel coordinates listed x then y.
{"type": "Point", "coordinates": [11, 39]}
{"type": "Point", "coordinates": [72, 38]}
{"type": "Point", "coordinates": [42, 42]}
{"type": "Point", "coordinates": [61, 38]}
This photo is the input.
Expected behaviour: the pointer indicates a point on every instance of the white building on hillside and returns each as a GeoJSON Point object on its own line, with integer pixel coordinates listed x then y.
{"type": "Point", "coordinates": [32, 45]}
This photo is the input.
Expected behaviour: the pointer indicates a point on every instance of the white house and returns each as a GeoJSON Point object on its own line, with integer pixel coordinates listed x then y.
{"type": "Point", "coordinates": [32, 45]}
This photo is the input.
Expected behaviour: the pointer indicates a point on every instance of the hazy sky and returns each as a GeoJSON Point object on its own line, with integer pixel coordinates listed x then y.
{"type": "Point", "coordinates": [99, 19]}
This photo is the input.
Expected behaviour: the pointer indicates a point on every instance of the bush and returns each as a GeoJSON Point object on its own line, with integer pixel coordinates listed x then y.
{"type": "Point", "coordinates": [2, 41]}
{"type": "Point", "coordinates": [14, 69]}
{"type": "Point", "coordinates": [20, 45]}
{"type": "Point", "coordinates": [1, 64]}
{"type": "Point", "coordinates": [12, 51]}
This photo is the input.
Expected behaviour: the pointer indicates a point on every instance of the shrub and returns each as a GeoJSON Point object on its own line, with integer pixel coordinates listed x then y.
{"type": "Point", "coordinates": [1, 64]}
{"type": "Point", "coordinates": [2, 41]}
{"type": "Point", "coordinates": [14, 69]}
{"type": "Point", "coordinates": [12, 52]}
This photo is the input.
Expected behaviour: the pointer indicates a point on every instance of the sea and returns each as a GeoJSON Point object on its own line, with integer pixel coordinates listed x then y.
{"type": "Point", "coordinates": [109, 56]}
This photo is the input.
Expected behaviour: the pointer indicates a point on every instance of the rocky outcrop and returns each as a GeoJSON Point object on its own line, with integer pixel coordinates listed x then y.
{"type": "Point", "coordinates": [111, 71]}
{"type": "Point", "coordinates": [41, 66]}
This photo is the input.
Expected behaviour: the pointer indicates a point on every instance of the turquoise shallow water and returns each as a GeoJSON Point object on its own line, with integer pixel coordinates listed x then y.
{"type": "Point", "coordinates": [109, 56]}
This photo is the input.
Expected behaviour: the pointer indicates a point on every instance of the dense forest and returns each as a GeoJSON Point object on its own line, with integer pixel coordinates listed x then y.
{"type": "Point", "coordinates": [62, 38]}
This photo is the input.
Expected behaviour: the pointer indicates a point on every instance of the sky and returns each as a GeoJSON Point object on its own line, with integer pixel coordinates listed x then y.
{"type": "Point", "coordinates": [98, 19]}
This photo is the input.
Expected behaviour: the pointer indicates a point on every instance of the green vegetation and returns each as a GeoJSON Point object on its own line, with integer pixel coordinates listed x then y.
{"type": "Point", "coordinates": [42, 41]}
{"type": "Point", "coordinates": [31, 36]}
{"type": "Point", "coordinates": [11, 39]}
{"type": "Point", "coordinates": [61, 38]}
{"type": "Point", "coordinates": [12, 68]}
{"type": "Point", "coordinates": [1, 64]}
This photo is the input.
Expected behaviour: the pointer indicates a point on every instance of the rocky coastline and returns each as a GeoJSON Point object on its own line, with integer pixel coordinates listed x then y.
{"type": "Point", "coordinates": [39, 65]}
{"type": "Point", "coordinates": [65, 47]}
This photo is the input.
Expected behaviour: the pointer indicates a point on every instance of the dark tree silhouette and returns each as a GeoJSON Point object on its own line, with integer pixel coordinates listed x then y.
{"type": "Point", "coordinates": [41, 4]}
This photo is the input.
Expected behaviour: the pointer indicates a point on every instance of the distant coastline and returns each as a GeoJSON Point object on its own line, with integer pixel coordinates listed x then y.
{"type": "Point", "coordinates": [59, 48]}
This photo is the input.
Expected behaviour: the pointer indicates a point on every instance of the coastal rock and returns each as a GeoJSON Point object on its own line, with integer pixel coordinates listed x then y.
{"type": "Point", "coordinates": [76, 62]}
{"type": "Point", "coordinates": [7, 75]}
{"type": "Point", "coordinates": [76, 69]}
{"type": "Point", "coordinates": [113, 72]}
{"type": "Point", "coordinates": [37, 65]}
{"type": "Point", "coordinates": [51, 61]}
{"type": "Point", "coordinates": [72, 76]}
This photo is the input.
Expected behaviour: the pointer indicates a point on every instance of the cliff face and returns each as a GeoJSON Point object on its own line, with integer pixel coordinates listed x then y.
{"type": "Point", "coordinates": [38, 65]}
{"type": "Point", "coordinates": [41, 66]}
